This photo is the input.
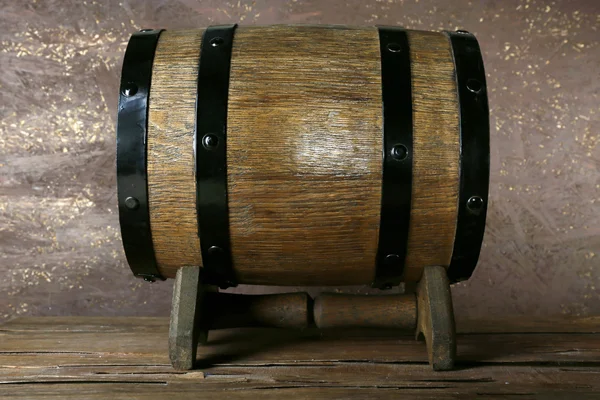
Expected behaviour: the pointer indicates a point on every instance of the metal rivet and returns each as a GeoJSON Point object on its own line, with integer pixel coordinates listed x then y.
{"type": "Point", "coordinates": [132, 203]}
{"type": "Point", "coordinates": [394, 47]}
{"type": "Point", "coordinates": [213, 250]}
{"type": "Point", "coordinates": [463, 32]}
{"type": "Point", "coordinates": [474, 85]}
{"type": "Point", "coordinates": [216, 42]}
{"type": "Point", "coordinates": [475, 204]}
{"type": "Point", "coordinates": [210, 141]}
{"type": "Point", "coordinates": [392, 259]}
{"type": "Point", "coordinates": [129, 89]}
{"type": "Point", "coordinates": [399, 152]}
{"type": "Point", "coordinates": [146, 30]}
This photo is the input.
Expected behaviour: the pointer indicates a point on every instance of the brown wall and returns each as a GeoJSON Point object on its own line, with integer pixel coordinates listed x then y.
{"type": "Point", "coordinates": [60, 249]}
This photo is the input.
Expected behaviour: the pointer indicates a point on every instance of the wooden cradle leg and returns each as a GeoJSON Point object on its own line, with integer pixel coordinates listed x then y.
{"type": "Point", "coordinates": [185, 331]}
{"type": "Point", "coordinates": [435, 318]}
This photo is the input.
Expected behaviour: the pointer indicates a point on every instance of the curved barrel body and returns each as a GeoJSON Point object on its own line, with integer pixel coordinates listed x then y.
{"type": "Point", "coordinates": [349, 155]}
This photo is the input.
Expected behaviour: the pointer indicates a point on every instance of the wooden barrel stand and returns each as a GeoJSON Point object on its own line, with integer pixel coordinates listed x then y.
{"type": "Point", "coordinates": [197, 308]}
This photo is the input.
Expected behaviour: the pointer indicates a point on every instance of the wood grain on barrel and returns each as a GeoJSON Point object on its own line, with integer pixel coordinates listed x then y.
{"type": "Point", "coordinates": [304, 154]}
{"type": "Point", "coordinates": [435, 154]}
{"type": "Point", "coordinates": [171, 181]}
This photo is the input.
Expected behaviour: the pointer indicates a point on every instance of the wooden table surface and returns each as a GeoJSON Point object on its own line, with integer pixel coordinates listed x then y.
{"type": "Point", "coordinates": [113, 358]}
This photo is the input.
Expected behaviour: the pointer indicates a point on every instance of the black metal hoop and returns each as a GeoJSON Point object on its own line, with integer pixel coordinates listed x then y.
{"type": "Point", "coordinates": [397, 156]}
{"type": "Point", "coordinates": [132, 178]}
{"type": "Point", "coordinates": [210, 149]}
{"type": "Point", "coordinates": [474, 154]}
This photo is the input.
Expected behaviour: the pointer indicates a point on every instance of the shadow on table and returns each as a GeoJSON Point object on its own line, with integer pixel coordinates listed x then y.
{"type": "Point", "coordinates": [279, 345]}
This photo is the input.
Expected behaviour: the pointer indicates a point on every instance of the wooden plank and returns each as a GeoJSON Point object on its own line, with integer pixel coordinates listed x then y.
{"type": "Point", "coordinates": [557, 324]}
{"type": "Point", "coordinates": [523, 324]}
{"type": "Point", "coordinates": [436, 151]}
{"type": "Point", "coordinates": [305, 138]}
{"type": "Point", "coordinates": [355, 380]}
{"type": "Point", "coordinates": [261, 349]}
{"type": "Point", "coordinates": [339, 373]}
{"type": "Point", "coordinates": [52, 358]}
{"type": "Point", "coordinates": [268, 346]}
{"type": "Point", "coordinates": [171, 181]}
{"type": "Point", "coordinates": [85, 324]}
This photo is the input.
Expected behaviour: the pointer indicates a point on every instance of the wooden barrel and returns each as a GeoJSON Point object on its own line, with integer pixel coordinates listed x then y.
{"type": "Point", "coordinates": [302, 155]}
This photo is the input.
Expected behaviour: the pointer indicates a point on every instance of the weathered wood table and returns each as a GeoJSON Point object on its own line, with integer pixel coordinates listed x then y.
{"type": "Point", "coordinates": [113, 358]}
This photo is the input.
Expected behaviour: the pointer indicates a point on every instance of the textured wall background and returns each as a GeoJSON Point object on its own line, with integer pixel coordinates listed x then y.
{"type": "Point", "coordinates": [60, 249]}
